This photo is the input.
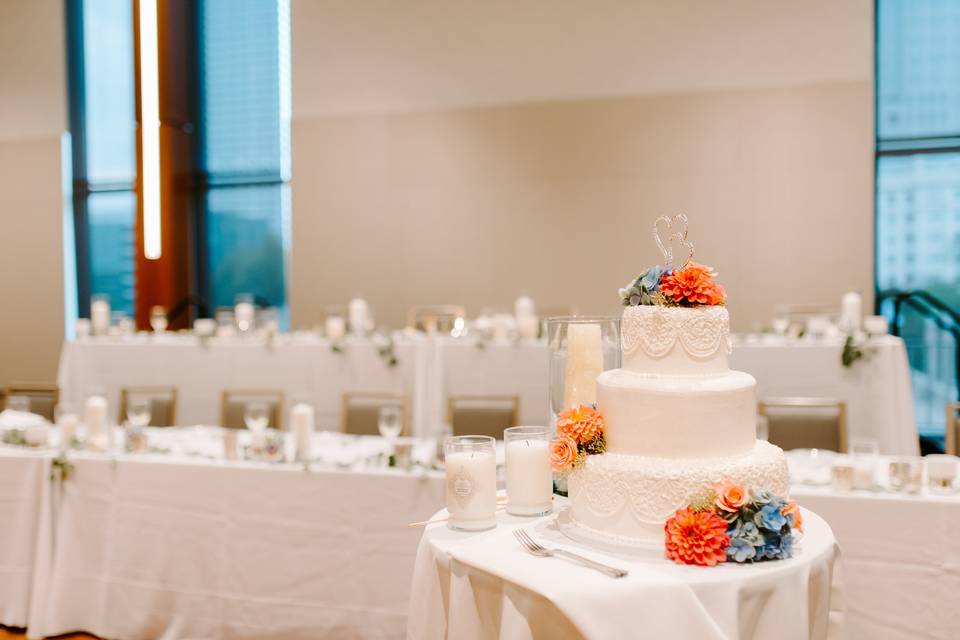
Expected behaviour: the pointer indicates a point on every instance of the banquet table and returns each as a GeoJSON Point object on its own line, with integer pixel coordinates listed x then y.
{"type": "Point", "coordinates": [305, 367]}
{"type": "Point", "coordinates": [876, 389]}
{"type": "Point", "coordinates": [184, 543]}
{"type": "Point", "coordinates": [483, 585]}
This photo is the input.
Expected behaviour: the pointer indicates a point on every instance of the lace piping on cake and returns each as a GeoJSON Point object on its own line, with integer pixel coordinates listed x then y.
{"type": "Point", "coordinates": [653, 490]}
{"type": "Point", "coordinates": [656, 330]}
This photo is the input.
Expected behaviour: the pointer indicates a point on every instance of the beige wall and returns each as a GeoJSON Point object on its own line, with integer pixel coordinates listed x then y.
{"type": "Point", "coordinates": [753, 117]}
{"type": "Point", "coordinates": [32, 118]}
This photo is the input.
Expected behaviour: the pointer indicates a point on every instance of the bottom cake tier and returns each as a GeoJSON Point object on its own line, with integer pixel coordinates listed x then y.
{"type": "Point", "coordinates": [626, 499]}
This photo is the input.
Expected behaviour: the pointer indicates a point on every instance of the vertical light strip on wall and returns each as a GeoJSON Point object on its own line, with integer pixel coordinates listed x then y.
{"type": "Point", "coordinates": [150, 129]}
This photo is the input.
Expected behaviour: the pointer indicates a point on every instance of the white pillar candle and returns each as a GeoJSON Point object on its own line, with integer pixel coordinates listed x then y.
{"type": "Point", "coordinates": [523, 307]}
{"type": "Point", "coordinates": [528, 326]}
{"type": "Point", "coordinates": [100, 317]}
{"type": "Point", "coordinates": [471, 488]}
{"type": "Point", "coordinates": [95, 419]}
{"type": "Point", "coordinates": [301, 424]}
{"type": "Point", "coordinates": [243, 315]}
{"type": "Point", "coordinates": [68, 429]}
{"type": "Point", "coordinates": [851, 311]}
{"type": "Point", "coordinates": [583, 364]}
{"type": "Point", "coordinates": [231, 443]}
{"type": "Point", "coordinates": [335, 327]}
{"type": "Point", "coordinates": [528, 474]}
{"type": "Point", "coordinates": [358, 316]}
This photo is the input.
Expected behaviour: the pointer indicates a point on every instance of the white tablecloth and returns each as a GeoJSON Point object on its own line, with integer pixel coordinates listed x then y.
{"type": "Point", "coordinates": [900, 575]}
{"type": "Point", "coordinates": [25, 532]}
{"type": "Point", "coordinates": [305, 369]}
{"type": "Point", "coordinates": [483, 585]}
{"type": "Point", "coordinates": [876, 389]}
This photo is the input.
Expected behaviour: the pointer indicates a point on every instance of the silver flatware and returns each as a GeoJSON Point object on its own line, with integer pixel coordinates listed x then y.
{"type": "Point", "coordinates": [539, 550]}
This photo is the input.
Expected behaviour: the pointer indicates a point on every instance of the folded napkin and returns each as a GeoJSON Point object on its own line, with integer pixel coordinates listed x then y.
{"type": "Point", "coordinates": [10, 419]}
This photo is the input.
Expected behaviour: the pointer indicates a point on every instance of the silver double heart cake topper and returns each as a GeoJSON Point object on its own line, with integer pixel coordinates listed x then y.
{"type": "Point", "coordinates": [673, 241]}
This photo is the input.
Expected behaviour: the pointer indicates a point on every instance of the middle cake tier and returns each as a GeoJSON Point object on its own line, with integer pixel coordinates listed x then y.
{"type": "Point", "coordinates": [678, 416]}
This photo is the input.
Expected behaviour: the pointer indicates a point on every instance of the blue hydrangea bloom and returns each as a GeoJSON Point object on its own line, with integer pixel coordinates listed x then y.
{"type": "Point", "coordinates": [776, 547]}
{"type": "Point", "coordinates": [651, 278]}
{"type": "Point", "coordinates": [746, 532]}
{"type": "Point", "coordinates": [740, 550]}
{"type": "Point", "coordinates": [770, 518]}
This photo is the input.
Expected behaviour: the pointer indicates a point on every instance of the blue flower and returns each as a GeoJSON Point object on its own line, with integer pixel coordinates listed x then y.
{"type": "Point", "coordinates": [776, 547]}
{"type": "Point", "coordinates": [740, 550]}
{"type": "Point", "coordinates": [762, 497]}
{"type": "Point", "coordinates": [650, 280]}
{"type": "Point", "coordinates": [746, 532]}
{"type": "Point", "coordinates": [770, 518]}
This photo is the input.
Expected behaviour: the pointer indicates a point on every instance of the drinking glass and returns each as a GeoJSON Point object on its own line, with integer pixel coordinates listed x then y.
{"type": "Point", "coordinates": [18, 403]}
{"type": "Point", "coordinates": [138, 411]}
{"type": "Point", "coordinates": [866, 454]}
{"type": "Point", "coordinates": [256, 416]}
{"type": "Point", "coordinates": [389, 422]}
{"type": "Point", "coordinates": [158, 319]}
{"type": "Point", "coordinates": [781, 320]}
{"type": "Point", "coordinates": [471, 482]}
{"type": "Point", "coordinates": [244, 312]}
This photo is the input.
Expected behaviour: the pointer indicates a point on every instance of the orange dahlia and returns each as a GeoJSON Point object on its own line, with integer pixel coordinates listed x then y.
{"type": "Point", "coordinates": [693, 284]}
{"type": "Point", "coordinates": [582, 424]}
{"type": "Point", "coordinates": [696, 537]}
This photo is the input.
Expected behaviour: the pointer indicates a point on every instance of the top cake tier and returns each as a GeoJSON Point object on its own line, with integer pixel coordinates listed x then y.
{"type": "Point", "coordinates": [675, 341]}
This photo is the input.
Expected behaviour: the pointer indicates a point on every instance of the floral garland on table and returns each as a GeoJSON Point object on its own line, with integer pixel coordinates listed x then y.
{"type": "Point", "coordinates": [580, 433]}
{"type": "Point", "coordinates": [729, 523]}
{"type": "Point", "coordinates": [692, 285]}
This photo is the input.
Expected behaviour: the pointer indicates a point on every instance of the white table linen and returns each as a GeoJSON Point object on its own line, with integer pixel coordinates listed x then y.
{"type": "Point", "coordinates": [485, 586]}
{"type": "Point", "coordinates": [25, 535]}
{"type": "Point", "coordinates": [900, 574]}
{"type": "Point", "coordinates": [876, 389]}
{"type": "Point", "coordinates": [241, 550]}
{"type": "Point", "coordinates": [306, 369]}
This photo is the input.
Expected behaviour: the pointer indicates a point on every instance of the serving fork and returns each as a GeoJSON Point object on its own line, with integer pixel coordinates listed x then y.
{"type": "Point", "coordinates": [539, 550]}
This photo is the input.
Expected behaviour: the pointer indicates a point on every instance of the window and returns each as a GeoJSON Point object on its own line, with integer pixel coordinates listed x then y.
{"type": "Point", "coordinates": [918, 179]}
{"type": "Point", "coordinates": [103, 124]}
{"type": "Point", "coordinates": [243, 50]}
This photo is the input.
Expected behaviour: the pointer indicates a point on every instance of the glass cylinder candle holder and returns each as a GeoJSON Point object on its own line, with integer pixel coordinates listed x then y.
{"type": "Point", "coordinates": [941, 472]}
{"type": "Point", "coordinates": [581, 348]}
{"type": "Point", "coordinates": [528, 474]}
{"type": "Point", "coordinates": [471, 468]}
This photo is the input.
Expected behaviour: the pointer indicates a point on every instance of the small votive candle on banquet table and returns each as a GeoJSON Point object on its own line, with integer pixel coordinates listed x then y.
{"type": "Point", "coordinates": [841, 476]}
{"type": "Point", "coordinates": [941, 471]}
{"type": "Point", "coordinates": [335, 327]}
{"type": "Point", "coordinates": [301, 424]}
{"type": "Point", "coordinates": [67, 425]}
{"type": "Point", "coordinates": [529, 477]}
{"type": "Point", "coordinates": [851, 312]}
{"type": "Point", "coordinates": [244, 313]}
{"type": "Point", "coordinates": [471, 470]}
{"type": "Point", "coordinates": [528, 327]}
{"type": "Point", "coordinates": [358, 316]}
{"type": "Point", "coordinates": [100, 315]}
{"type": "Point", "coordinates": [231, 443]}
{"type": "Point", "coordinates": [95, 419]}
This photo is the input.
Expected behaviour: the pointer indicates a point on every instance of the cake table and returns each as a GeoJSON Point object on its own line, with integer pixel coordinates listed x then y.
{"type": "Point", "coordinates": [484, 585]}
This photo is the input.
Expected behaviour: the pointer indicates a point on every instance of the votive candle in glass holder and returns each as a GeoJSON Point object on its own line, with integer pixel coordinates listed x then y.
{"type": "Point", "coordinates": [841, 473]}
{"type": "Point", "coordinates": [941, 471]}
{"type": "Point", "coordinates": [471, 468]}
{"type": "Point", "coordinates": [529, 477]}
{"type": "Point", "coordinates": [581, 347]}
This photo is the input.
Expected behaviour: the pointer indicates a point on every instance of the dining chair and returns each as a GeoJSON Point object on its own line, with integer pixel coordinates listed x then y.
{"type": "Point", "coordinates": [436, 318]}
{"type": "Point", "coordinates": [805, 423]}
{"type": "Point", "coordinates": [43, 397]}
{"type": "Point", "coordinates": [360, 411]}
{"type": "Point", "coordinates": [482, 415]}
{"type": "Point", "coordinates": [163, 404]}
{"type": "Point", "coordinates": [233, 405]}
{"type": "Point", "coordinates": [952, 426]}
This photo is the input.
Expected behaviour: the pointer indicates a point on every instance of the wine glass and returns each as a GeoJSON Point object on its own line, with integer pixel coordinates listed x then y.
{"type": "Point", "coordinates": [158, 319]}
{"type": "Point", "coordinates": [256, 416]}
{"type": "Point", "coordinates": [138, 411]}
{"type": "Point", "coordinates": [389, 422]}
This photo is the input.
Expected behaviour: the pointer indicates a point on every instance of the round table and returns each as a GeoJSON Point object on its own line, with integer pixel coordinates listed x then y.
{"type": "Point", "coordinates": [484, 585]}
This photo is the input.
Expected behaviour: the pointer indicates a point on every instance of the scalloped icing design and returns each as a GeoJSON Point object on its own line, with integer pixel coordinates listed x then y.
{"type": "Point", "coordinates": [653, 488]}
{"type": "Point", "coordinates": [656, 330]}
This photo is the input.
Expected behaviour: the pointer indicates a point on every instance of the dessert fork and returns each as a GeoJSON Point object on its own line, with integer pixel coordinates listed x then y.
{"type": "Point", "coordinates": [539, 550]}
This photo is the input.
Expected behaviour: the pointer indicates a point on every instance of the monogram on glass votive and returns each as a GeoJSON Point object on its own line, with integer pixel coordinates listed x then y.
{"type": "Point", "coordinates": [471, 468]}
{"type": "Point", "coordinates": [529, 477]}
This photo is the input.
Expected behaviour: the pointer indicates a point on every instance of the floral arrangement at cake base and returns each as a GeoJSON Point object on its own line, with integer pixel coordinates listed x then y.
{"type": "Point", "coordinates": [580, 433]}
{"type": "Point", "coordinates": [728, 522]}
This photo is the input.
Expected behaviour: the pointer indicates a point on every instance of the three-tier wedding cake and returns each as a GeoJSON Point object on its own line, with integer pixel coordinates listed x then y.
{"type": "Point", "coordinates": [677, 418]}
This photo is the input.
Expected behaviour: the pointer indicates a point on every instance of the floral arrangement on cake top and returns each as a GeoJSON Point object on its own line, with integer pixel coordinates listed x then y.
{"type": "Point", "coordinates": [689, 285]}
{"type": "Point", "coordinates": [579, 434]}
{"type": "Point", "coordinates": [730, 523]}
